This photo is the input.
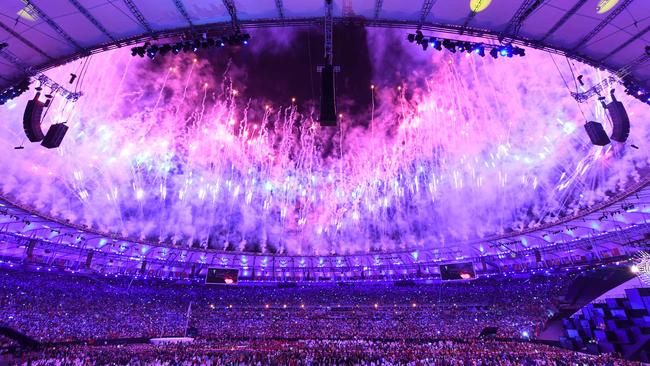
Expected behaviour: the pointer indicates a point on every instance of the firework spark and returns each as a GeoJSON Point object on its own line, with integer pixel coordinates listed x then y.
{"type": "Point", "coordinates": [457, 149]}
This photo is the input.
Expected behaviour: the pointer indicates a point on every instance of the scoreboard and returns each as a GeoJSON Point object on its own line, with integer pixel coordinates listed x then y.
{"type": "Point", "coordinates": [457, 271]}
{"type": "Point", "coordinates": [222, 276]}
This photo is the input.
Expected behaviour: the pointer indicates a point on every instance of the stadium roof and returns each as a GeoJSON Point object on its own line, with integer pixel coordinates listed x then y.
{"type": "Point", "coordinates": [45, 33]}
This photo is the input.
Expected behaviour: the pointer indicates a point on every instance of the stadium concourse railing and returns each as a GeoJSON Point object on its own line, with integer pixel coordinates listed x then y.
{"type": "Point", "coordinates": [56, 256]}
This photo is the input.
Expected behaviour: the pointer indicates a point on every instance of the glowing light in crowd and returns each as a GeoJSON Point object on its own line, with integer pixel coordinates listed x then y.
{"type": "Point", "coordinates": [460, 150]}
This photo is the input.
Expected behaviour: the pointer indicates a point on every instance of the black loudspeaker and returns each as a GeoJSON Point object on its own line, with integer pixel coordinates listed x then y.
{"type": "Point", "coordinates": [620, 120]}
{"type": "Point", "coordinates": [538, 256]}
{"type": "Point", "coordinates": [143, 267]}
{"type": "Point", "coordinates": [32, 119]}
{"type": "Point", "coordinates": [597, 133]}
{"type": "Point", "coordinates": [54, 136]}
{"type": "Point", "coordinates": [89, 258]}
{"type": "Point", "coordinates": [327, 99]}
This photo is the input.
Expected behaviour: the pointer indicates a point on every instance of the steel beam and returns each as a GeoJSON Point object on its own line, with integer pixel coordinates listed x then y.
{"type": "Point", "coordinates": [138, 15]}
{"type": "Point", "coordinates": [619, 9]}
{"type": "Point", "coordinates": [378, 6]}
{"type": "Point", "coordinates": [24, 40]}
{"type": "Point", "coordinates": [426, 9]}
{"type": "Point", "coordinates": [54, 26]}
{"type": "Point", "coordinates": [181, 9]}
{"type": "Point", "coordinates": [564, 19]}
{"type": "Point", "coordinates": [232, 10]}
{"type": "Point", "coordinates": [635, 37]}
{"type": "Point", "coordinates": [280, 6]}
{"type": "Point", "coordinates": [92, 19]}
{"type": "Point", "coordinates": [523, 12]}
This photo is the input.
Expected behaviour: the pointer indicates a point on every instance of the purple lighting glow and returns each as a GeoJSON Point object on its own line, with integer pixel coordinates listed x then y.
{"type": "Point", "coordinates": [465, 148]}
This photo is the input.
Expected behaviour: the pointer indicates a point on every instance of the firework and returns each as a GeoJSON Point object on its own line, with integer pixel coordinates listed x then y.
{"type": "Point", "coordinates": [464, 148]}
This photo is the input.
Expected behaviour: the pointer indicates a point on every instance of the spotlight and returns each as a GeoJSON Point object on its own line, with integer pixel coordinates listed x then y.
{"type": "Point", "coordinates": [165, 49]}
{"type": "Point", "coordinates": [464, 46]}
{"type": "Point", "coordinates": [436, 44]}
{"type": "Point", "coordinates": [518, 51]}
{"type": "Point", "coordinates": [151, 52]}
{"type": "Point", "coordinates": [494, 53]}
{"type": "Point", "coordinates": [450, 45]}
{"type": "Point", "coordinates": [177, 48]}
{"type": "Point", "coordinates": [419, 36]}
{"type": "Point", "coordinates": [425, 45]}
{"type": "Point", "coordinates": [138, 51]}
{"type": "Point", "coordinates": [479, 49]}
{"type": "Point", "coordinates": [411, 37]}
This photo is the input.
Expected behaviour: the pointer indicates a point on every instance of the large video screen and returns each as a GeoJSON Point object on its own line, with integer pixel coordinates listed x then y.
{"type": "Point", "coordinates": [222, 276]}
{"type": "Point", "coordinates": [457, 271]}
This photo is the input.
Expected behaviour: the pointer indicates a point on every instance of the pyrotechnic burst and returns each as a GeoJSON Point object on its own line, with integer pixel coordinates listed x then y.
{"type": "Point", "coordinates": [461, 148]}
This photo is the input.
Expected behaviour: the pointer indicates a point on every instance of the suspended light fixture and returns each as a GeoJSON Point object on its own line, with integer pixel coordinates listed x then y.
{"type": "Point", "coordinates": [477, 6]}
{"type": "Point", "coordinates": [605, 5]}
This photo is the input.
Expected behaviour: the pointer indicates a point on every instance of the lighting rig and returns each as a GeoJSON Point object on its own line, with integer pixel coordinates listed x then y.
{"type": "Point", "coordinates": [152, 50]}
{"type": "Point", "coordinates": [496, 51]}
{"type": "Point", "coordinates": [631, 88]}
{"type": "Point", "coordinates": [14, 91]}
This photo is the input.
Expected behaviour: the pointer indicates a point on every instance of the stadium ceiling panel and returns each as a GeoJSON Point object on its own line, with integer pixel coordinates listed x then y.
{"type": "Point", "coordinates": [44, 33]}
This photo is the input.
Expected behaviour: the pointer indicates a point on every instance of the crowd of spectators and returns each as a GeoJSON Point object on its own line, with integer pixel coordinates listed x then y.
{"type": "Point", "coordinates": [321, 353]}
{"type": "Point", "coordinates": [51, 306]}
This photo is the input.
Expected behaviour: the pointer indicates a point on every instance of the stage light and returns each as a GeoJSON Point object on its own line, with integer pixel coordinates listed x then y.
{"type": "Point", "coordinates": [425, 45]}
{"type": "Point", "coordinates": [14, 91]}
{"type": "Point", "coordinates": [165, 49]}
{"type": "Point", "coordinates": [450, 45]}
{"type": "Point", "coordinates": [477, 6]}
{"type": "Point", "coordinates": [189, 46]}
{"type": "Point", "coordinates": [411, 37]}
{"type": "Point", "coordinates": [419, 36]}
{"type": "Point", "coordinates": [152, 51]}
{"type": "Point", "coordinates": [479, 49]}
{"type": "Point", "coordinates": [494, 53]}
{"type": "Point", "coordinates": [634, 269]}
{"type": "Point", "coordinates": [605, 5]}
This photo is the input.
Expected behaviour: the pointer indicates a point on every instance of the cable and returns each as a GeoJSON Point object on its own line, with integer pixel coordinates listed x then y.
{"type": "Point", "coordinates": [567, 86]}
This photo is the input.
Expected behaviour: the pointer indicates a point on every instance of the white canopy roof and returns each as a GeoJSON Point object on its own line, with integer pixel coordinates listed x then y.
{"type": "Point", "coordinates": [44, 33]}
